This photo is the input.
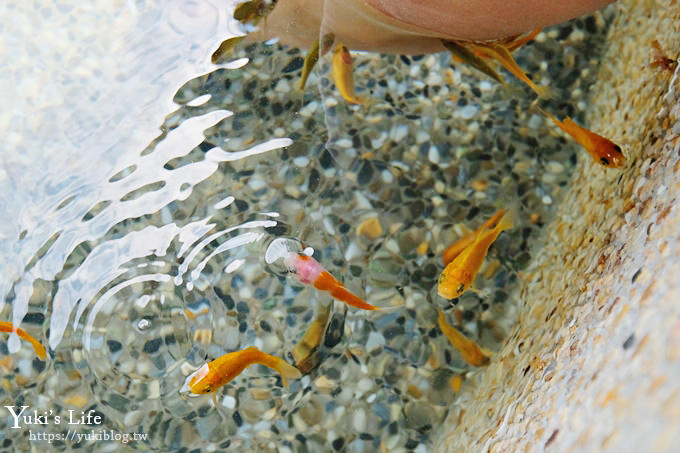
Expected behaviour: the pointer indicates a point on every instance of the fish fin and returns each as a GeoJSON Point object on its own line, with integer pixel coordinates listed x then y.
{"type": "Point", "coordinates": [285, 369]}
{"type": "Point", "coordinates": [214, 398]}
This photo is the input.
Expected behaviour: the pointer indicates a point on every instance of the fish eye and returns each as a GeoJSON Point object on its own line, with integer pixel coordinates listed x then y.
{"type": "Point", "coordinates": [460, 288]}
{"type": "Point", "coordinates": [604, 161]}
{"type": "Point", "coordinates": [617, 148]}
{"type": "Point", "coordinates": [441, 277]}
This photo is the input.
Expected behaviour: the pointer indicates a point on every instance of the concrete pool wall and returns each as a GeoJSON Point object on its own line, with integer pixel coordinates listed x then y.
{"type": "Point", "coordinates": [592, 363]}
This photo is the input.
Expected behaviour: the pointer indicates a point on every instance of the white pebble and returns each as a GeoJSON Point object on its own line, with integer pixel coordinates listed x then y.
{"type": "Point", "coordinates": [375, 340]}
{"type": "Point", "coordinates": [546, 199]}
{"type": "Point", "coordinates": [392, 246]}
{"type": "Point", "coordinates": [422, 136]}
{"type": "Point", "coordinates": [392, 442]}
{"type": "Point", "coordinates": [309, 109]}
{"type": "Point", "coordinates": [378, 142]}
{"type": "Point", "coordinates": [365, 385]}
{"type": "Point", "coordinates": [301, 161]}
{"type": "Point", "coordinates": [328, 225]}
{"type": "Point", "coordinates": [256, 183]}
{"type": "Point", "coordinates": [468, 111]}
{"type": "Point", "coordinates": [399, 133]}
{"type": "Point", "coordinates": [154, 390]}
{"type": "Point", "coordinates": [360, 420]}
{"type": "Point", "coordinates": [535, 122]}
{"type": "Point", "coordinates": [433, 155]}
{"type": "Point", "coordinates": [229, 402]}
{"type": "Point", "coordinates": [386, 176]}
{"type": "Point", "coordinates": [362, 201]}
{"type": "Point", "coordinates": [271, 343]}
{"type": "Point", "coordinates": [555, 167]}
{"type": "Point", "coordinates": [485, 85]}
{"type": "Point", "coordinates": [283, 86]}
{"type": "Point", "coordinates": [344, 143]}
{"type": "Point", "coordinates": [352, 251]}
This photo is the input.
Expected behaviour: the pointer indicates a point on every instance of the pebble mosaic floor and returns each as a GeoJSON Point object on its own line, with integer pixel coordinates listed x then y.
{"type": "Point", "coordinates": [378, 192]}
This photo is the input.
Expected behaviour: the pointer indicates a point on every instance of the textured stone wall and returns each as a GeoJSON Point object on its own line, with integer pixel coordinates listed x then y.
{"type": "Point", "coordinates": [594, 360]}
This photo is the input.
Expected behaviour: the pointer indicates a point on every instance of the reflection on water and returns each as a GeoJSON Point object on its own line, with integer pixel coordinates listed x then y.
{"type": "Point", "coordinates": [138, 255]}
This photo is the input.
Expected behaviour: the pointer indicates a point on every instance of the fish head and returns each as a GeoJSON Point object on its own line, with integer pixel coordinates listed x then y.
{"type": "Point", "coordinates": [200, 382]}
{"type": "Point", "coordinates": [453, 284]}
{"type": "Point", "coordinates": [610, 154]}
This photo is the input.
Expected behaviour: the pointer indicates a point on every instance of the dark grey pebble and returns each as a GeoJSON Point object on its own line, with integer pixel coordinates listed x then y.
{"type": "Point", "coordinates": [38, 365]}
{"type": "Point", "coordinates": [629, 341]}
{"type": "Point", "coordinates": [34, 318]}
{"type": "Point", "coordinates": [338, 444]}
{"type": "Point", "coordinates": [294, 65]}
{"type": "Point", "coordinates": [365, 173]}
{"type": "Point", "coordinates": [114, 346]}
{"type": "Point", "coordinates": [118, 402]}
{"type": "Point", "coordinates": [152, 346]}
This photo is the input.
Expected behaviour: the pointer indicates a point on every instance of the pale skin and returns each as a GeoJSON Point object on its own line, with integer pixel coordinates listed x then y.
{"type": "Point", "coordinates": [413, 26]}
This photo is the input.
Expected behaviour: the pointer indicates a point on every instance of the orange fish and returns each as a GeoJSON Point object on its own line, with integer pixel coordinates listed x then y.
{"type": "Point", "coordinates": [502, 54]}
{"type": "Point", "coordinates": [516, 42]}
{"type": "Point", "coordinates": [213, 375]}
{"type": "Point", "coordinates": [469, 350]}
{"type": "Point", "coordinates": [460, 273]}
{"type": "Point", "coordinates": [603, 150]}
{"type": "Point", "coordinates": [343, 75]}
{"type": "Point", "coordinates": [310, 272]}
{"type": "Point", "coordinates": [39, 349]}
{"type": "Point", "coordinates": [461, 244]}
{"type": "Point", "coordinates": [460, 53]}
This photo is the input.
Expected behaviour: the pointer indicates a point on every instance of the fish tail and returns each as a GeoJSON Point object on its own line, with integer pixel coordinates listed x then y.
{"type": "Point", "coordinates": [285, 369]}
{"type": "Point", "coordinates": [461, 53]}
{"type": "Point", "coordinates": [519, 42]}
{"type": "Point", "coordinates": [505, 58]}
{"type": "Point", "coordinates": [507, 221]}
{"type": "Point", "coordinates": [39, 349]}
{"type": "Point", "coordinates": [341, 293]}
{"type": "Point", "coordinates": [468, 349]}
{"type": "Point", "coordinates": [535, 106]}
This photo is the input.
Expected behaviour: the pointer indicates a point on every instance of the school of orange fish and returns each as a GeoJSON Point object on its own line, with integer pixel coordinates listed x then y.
{"type": "Point", "coordinates": [461, 260]}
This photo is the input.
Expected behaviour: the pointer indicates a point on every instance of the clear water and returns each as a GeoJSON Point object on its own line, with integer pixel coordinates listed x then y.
{"type": "Point", "coordinates": [143, 186]}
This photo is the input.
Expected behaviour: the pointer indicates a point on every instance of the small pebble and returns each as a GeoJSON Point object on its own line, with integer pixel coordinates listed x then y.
{"type": "Point", "coordinates": [370, 228]}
